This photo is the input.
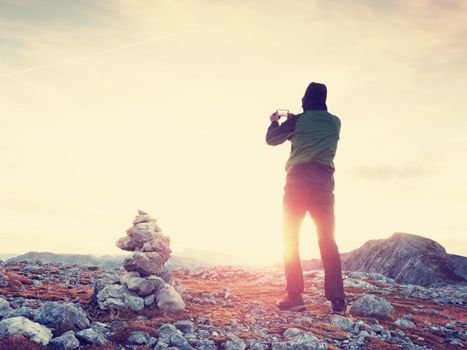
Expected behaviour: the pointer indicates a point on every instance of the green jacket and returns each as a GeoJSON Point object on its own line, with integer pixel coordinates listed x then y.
{"type": "Point", "coordinates": [313, 135]}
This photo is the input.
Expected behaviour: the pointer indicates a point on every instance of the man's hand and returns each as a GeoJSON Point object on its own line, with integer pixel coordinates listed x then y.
{"type": "Point", "coordinates": [274, 117]}
{"type": "Point", "coordinates": [290, 115]}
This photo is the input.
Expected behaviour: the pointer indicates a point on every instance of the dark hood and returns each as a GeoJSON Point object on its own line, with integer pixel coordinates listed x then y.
{"type": "Point", "coordinates": [315, 97]}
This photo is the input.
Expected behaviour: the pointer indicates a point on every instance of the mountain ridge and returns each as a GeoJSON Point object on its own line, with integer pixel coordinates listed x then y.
{"type": "Point", "coordinates": [408, 258]}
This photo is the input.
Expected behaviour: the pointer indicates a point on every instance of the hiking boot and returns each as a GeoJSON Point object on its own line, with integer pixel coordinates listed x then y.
{"type": "Point", "coordinates": [338, 306]}
{"type": "Point", "coordinates": [291, 304]}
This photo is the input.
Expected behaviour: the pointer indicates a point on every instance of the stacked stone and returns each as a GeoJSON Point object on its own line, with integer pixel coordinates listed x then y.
{"type": "Point", "coordinates": [145, 282]}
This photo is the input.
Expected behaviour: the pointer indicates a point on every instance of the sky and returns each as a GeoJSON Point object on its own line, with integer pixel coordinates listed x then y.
{"type": "Point", "coordinates": [107, 107]}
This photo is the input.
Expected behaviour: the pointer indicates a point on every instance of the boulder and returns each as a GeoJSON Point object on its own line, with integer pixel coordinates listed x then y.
{"type": "Point", "coordinates": [91, 336]}
{"type": "Point", "coordinates": [157, 245]}
{"type": "Point", "coordinates": [138, 338]}
{"type": "Point", "coordinates": [149, 300]}
{"type": "Point", "coordinates": [149, 263]}
{"type": "Point", "coordinates": [166, 330]}
{"type": "Point", "coordinates": [26, 328]}
{"type": "Point", "coordinates": [306, 340]}
{"type": "Point", "coordinates": [158, 281]}
{"type": "Point", "coordinates": [234, 342]}
{"type": "Point", "coordinates": [402, 322]}
{"type": "Point", "coordinates": [185, 326]}
{"type": "Point", "coordinates": [168, 300]}
{"type": "Point", "coordinates": [24, 311]}
{"type": "Point", "coordinates": [53, 314]}
{"type": "Point", "coordinates": [141, 286]}
{"type": "Point", "coordinates": [292, 332]}
{"type": "Point", "coordinates": [67, 341]}
{"type": "Point", "coordinates": [4, 308]}
{"type": "Point", "coordinates": [370, 305]}
{"type": "Point", "coordinates": [179, 342]}
{"type": "Point", "coordinates": [127, 243]}
{"type": "Point", "coordinates": [118, 296]}
{"type": "Point", "coordinates": [143, 217]}
{"type": "Point", "coordinates": [342, 322]}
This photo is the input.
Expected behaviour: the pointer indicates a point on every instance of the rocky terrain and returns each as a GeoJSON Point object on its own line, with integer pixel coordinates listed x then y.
{"type": "Point", "coordinates": [50, 306]}
{"type": "Point", "coordinates": [407, 258]}
{"type": "Point", "coordinates": [403, 292]}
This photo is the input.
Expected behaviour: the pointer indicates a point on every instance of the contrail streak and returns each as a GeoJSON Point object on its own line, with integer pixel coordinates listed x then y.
{"type": "Point", "coordinates": [99, 53]}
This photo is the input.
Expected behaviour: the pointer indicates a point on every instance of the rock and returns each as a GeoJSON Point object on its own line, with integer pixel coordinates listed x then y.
{"type": "Point", "coordinates": [91, 336]}
{"type": "Point", "coordinates": [143, 227]}
{"type": "Point", "coordinates": [141, 235]}
{"type": "Point", "coordinates": [158, 281]}
{"type": "Point", "coordinates": [370, 305]}
{"type": "Point", "coordinates": [292, 332]}
{"type": "Point", "coordinates": [234, 343]}
{"type": "Point", "coordinates": [149, 300]}
{"type": "Point", "coordinates": [24, 311]}
{"type": "Point", "coordinates": [127, 243]}
{"type": "Point", "coordinates": [168, 300]}
{"type": "Point", "coordinates": [4, 307]}
{"type": "Point", "coordinates": [138, 338]}
{"type": "Point", "coordinates": [102, 328]}
{"type": "Point", "coordinates": [141, 286]}
{"type": "Point", "coordinates": [4, 304]}
{"type": "Point", "coordinates": [361, 326]}
{"type": "Point", "coordinates": [342, 322]}
{"type": "Point", "coordinates": [142, 217]}
{"type": "Point", "coordinates": [185, 326]}
{"type": "Point", "coordinates": [306, 340]}
{"type": "Point", "coordinates": [167, 277]}
{"type": "Point", "coordinates": [53, 314]}
{"type": "Point", "coordinates": [402, 322]}
{"type": "Point", "coordinates": [157, 245]}
{"type": "Point", "coordinates": [149, 263]}
{"type": "Point", "coordinates": [26, 328]}
{"type": "Point", "coordinates": [118, 296]}
{"type": "Point", "coordinates": [67, 341]}
{"type": "Point", "coordinates": [166, 330]}
{"type": "Point", "coordinates": [118, 325]}
{"type": "Point", "coordinates": [360, 340]}
{"type": "Point", "coordinates": [253, 344]}
{"type": "Point", "coordinates": [128, 276]}
{"type": "Point", "coordinates": [180, 342]}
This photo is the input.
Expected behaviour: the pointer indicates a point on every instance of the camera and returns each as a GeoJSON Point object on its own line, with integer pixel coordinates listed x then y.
{"type": "Point", "coordinates": [282, 112]}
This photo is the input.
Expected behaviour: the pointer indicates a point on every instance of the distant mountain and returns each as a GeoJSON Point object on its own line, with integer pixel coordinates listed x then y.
{"type": "Point", "coordinates": [405, 257]}
{"type": "Point", "coordinates": [214, 258]}
{"type": "Point", "coordinates": [106, 261]}
{"type": "Point", "coordinates": [176, 261]}
{"type": "Point", "coordinates": [5, 256]}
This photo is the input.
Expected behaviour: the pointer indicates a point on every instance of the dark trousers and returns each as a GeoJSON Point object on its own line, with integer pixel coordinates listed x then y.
{"type": "Point", "coordinates": [297, 201]}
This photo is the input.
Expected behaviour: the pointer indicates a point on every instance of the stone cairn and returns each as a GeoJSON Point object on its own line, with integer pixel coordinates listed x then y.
{"type": "Point", "coordinates": [145, 283]}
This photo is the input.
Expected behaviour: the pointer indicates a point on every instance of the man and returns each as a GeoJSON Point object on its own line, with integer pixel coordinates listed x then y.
{"type": "Point", "coordinates": [309, 188]}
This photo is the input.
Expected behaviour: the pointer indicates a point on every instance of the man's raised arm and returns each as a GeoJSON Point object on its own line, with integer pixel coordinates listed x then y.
{"type": "Point", "coordinates": [278, 134]}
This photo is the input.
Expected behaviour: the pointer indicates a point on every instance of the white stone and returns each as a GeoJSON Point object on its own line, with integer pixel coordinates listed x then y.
{"type": "Point", "coordinates": [404, 323]}
{"type": "Point", "coordinates": [27, 328]}
{"type": "Point", "coordinates": [168, 300]}
{"type": "Point", "coordinates": [118, 296]}
{"type": "Point", "coordinates": [370, 305]}
{"type": "Point", "coordinates": [145, 264]}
